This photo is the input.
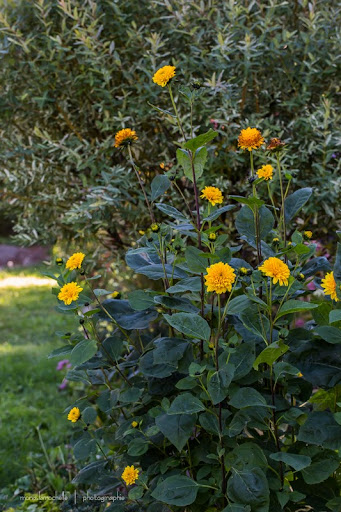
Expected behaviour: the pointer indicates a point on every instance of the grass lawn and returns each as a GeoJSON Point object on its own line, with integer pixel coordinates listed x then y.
{"type": "Point", "coordinates": [29, 393]}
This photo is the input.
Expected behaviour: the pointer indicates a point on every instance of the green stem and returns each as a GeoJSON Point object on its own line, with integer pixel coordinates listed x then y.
{"type": "Point", "coordinates": [141, 184]}
{"type": "Point", "coordinates": [282, 215]}
{"type": "Point", "coordinates": [176, 111]}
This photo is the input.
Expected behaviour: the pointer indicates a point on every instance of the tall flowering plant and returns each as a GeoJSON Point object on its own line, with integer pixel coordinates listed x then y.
{"type": "Point", "coordinates": [202, 392]}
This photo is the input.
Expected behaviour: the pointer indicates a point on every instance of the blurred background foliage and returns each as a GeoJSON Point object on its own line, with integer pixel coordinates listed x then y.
{"type": "Point", "coordinates": [74, 72]}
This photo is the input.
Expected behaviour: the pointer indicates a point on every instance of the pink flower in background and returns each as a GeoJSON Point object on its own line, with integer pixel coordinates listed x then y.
{"type": "Point", "coordinates": [63, 385]}
{"type": "Point", "coordinates": [62, 363]}
{"type": "Point", "coordinates": [311, 286]}
{"type": "Point", "coordinates": [299, 322]}
{"type": "Point", "coordinates": [214, 123]}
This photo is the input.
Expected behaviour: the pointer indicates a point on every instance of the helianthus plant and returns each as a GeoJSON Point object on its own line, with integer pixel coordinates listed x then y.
{"type": "Point", "coordinates": [202, 392]}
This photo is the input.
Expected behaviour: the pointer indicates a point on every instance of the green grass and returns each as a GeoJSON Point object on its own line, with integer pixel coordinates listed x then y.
{"type": "Point", "coordinates": [29, 393]}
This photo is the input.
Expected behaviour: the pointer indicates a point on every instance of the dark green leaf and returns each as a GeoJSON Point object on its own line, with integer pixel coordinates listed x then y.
{"type": "Point", "coordinates": [176, 490]}
{"type": "Point", "coordinates": [200, 140]}
{"type": "Point", "coordinates": [177, 428]}
{"type": "Point", "coordinates": [159, 185]}
{"type": "Point", "coordinates": [185, 403]}
{"type": "Point", "coordinates": [83, 351]}
{"type": "Point", "coordinates": [189, 324]}
{"type": "Point", "coordinates": [295, 202]}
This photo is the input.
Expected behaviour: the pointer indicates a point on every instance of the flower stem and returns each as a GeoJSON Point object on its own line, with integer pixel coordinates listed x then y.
{"type": "Point", "coordinates": [141, 184]}
{"type": "Point", "coordinates": [282, 215]}
{"type": "Point", "coordinates": [176, 111]}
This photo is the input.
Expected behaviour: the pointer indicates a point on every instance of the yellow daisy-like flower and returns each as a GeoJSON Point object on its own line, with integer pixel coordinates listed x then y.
{"type": "Point", "coordinates": [125, 137]}
{"type": "Point", "coordinates": [250, 139]}
{"type": "Point", "coordinates": [266, 172]}
{"type": "Point", "coordinates": [163, 75]}
{"type": "Point", "coordinates": [69, 293]}
{"type": "Point", "coordinates": [329, 286]}
{"type": "Point", "coordinates": [308, 234]}
{"type": "Point", "coordinates": [219, 278]}
{"type": "Point", "coordinates": [212, 194]}
{"type": "Point", "coordinates": [74, 415]}
{"type": "Point", "coordinates": [275, 268]}
{"type": "Point", "coordinates": [130, 475]}
{"type": "Point", "coordinates": [75, 261]}
{"type": "Point", "coordinates": [134, 424]}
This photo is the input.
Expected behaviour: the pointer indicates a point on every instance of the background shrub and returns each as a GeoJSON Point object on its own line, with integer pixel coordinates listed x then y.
{"type": "Point", "coordinates": [74, 72]}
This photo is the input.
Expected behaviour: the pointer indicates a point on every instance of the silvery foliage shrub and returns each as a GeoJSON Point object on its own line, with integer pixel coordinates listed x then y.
{"type": "Point", "coordinates": [221, 402]}
{"type": "Point", "coordinates": [75, 72]}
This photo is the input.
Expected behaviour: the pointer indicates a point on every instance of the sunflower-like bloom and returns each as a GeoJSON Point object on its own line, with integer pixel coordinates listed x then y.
{"type": "Point", "coordinates": [266, 172]}
{"type": "Point", "coordinates": [69, 292]}
{"type": "Point", "coordinates": [75, 261]}
{"type": "Point", "coordinates": [212, 194]}
{"type": "Point", "coordinates": [275, 144]}
{"type": "Point", "coordinates": [308, 234]}
{"type": "Point", "coordinates": [134, 424]}
{"type": "Point", "coordinates": [74, 415]}
{"type": "Point", "coordinates": [125, 137]}
{"type": "Point", "coordinates": [130, 475]}
{"type": "Point", "coordinates": [219, 278]}
{"type": "Point", "coordinates": [250, 139]}
{"type": "Point", "coordinates": [329, 286]}
{"type": "Point", "coordinates": [275, 268]}
{"type": "Point", "coordinates": [164, 75]}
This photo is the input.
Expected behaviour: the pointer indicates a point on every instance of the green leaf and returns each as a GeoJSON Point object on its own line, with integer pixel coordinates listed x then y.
{"type": "Point", "coordinates": [335, 316]}
{"type": "Point", "coordinates": [62, 351]}
{"type": "Point", "coordinates": [270, 354]}
{"type": "Point", "coordinates": [83, 351]}
{"type": "Point", "coordinates": [246, 456]}
{"type": "Point", "coordinates": [245, 223]}
{"type": "Point", "coordinates": [321, 429]}
{"type": "Point", "coordinates": [159, 185]}
{"type": "Point", "coordinates": [89, 415]}
{"type": "Point", "coordinates": [235, 507]}
{"type": "Point", "coordinates": [177, 428]}
{"type": "Point", "coordinates": [124, 315]}
{"type": "Point", "coordinates": [297, 462]}
{"type": "Point", "coordinates": [329, 334]}
{"type": "Point", "coordinates": [218, 212]}
{"type": "Point", "coordinates": [242, 358]}
{"type": "Point", "coordinates": [171, 211]}
{"type": "Point", "coordinates": [200, 140]}
{"type": "Point", "coordinates": [200, 158]}
{"type": "Point", "coordinates": [219, 382]}
{"type": "Point", "coordinates": [191, 284]}
{"type": "Point", "coordinates": [131, 395]}
{"type": "Point", "coordinates": [141, 300]}
{"type": "Point", "coordinates": [177, 303]}
{"type": "Point", "coordinates": [176, 490]}
{"type": "Point", "coordinates": [293, 306]}
{"type": "Point", "coordinates": [135, 493]}
{"type": "Point", "coordinates": [112, 348]}
{"type": "Point", "coordinates": [249, 201]}
{"type": "Point", "coordinates": [323, 465]}
{"type": "Point", "coordinates": [185, 403]}
{"type": "Point", "coordinates": [295, 202]}
{"type": "Point", "coordinates": [85, 447]}
{"type": "Point", "coordinates": [249, 487]}
{"type": "Point", "coordinates": [189, 324]}
{"type": "Point", "coordinates": [237, 305]}
{"type": "Point", "coordinates": [247, 397]}
{"type": "Point", "coordinates": [256, 323]}
{"type": "Point", "coordinates": [137, 447]}
{"type": "Point", "coordinates": [337, 264]}
{"type": "Point", "coordinates": [196, 260]}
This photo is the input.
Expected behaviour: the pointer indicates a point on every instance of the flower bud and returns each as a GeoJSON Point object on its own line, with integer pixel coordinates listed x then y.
{"type": "Point", "coordinates": [155, 227]}
{"type": "Point", "coordinates": [59, 261]}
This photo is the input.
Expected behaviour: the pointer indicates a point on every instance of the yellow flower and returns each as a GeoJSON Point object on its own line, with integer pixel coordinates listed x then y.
{"type": "Point", "coordinates": [75, 261]}
{"type": "Point", "coordinates": [162, 165]}
{"type": "Point", "coordinates": [125, 137]}
{"type": "Point", "coordinates": [213, 195]}
{"type": "Point", "coordinates": [266, 172]}
{"type": "Point", "coordinates": [163, 75]}
{"type": "Point", "coordinates": [134, 424]}
{"type": "Point", "coordinates": [220, 277]}
{"type": "Point", "coordinates": [74, 415]}
{"type": "Point", "coordinates": [59, 261]}
{"type": "Point", "coordinates": [212, 237]}
{"type": "Point", "coordinates": [141, 232]}
{"type": "Point", "coordinates": [130, 475]}
{"type": "Point", "coordinates": [308, 234]}
{"type": "Point", "coordinates": [69, 292]}
{"type": "Point", "coordinates": [300, 374]}
{"type": "Point", "coordinates": [275, 240]}
{"type": "Point", "coordinates": [329, 286]}
{"type": "Point", "coordinates": [115, 295]}
{"type": "Point", "coordinates": [155, 227]}
{"type": "Point", "coordinates": [275, 144]}
{"type": "Point", "coordinates": [275, 268]}
{"type": "Point", "coordinates": [250, 139]}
